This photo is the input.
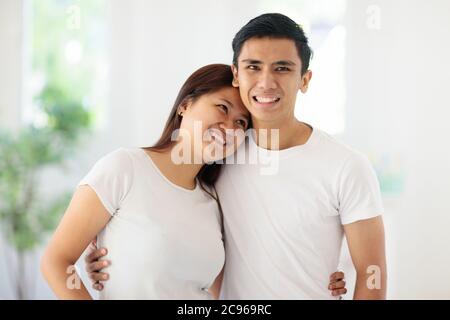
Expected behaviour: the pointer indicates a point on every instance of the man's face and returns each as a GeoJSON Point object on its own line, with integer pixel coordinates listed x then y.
{"type": "Point", "coordinates": [269, 77]}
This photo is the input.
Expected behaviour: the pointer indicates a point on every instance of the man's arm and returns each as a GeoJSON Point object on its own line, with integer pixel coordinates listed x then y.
{"type": "Point", "coordinates": [365, 240]}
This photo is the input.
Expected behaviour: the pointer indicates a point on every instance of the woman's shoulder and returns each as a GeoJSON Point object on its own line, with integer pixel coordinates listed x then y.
{"type": "Point", "coordinates": [111, 178]}
{"type": "Point", "coordinates": [122, 161]}
{"type": "Point", "coordinates": [120, 158]}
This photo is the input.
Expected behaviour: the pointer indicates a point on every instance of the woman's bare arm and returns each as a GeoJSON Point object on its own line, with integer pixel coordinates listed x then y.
{"type": "Point", "coordinates": [83, 220]}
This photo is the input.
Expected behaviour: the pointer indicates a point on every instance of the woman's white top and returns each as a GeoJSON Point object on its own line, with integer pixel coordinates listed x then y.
{"type": "Point", "coordinates": [163, 241]}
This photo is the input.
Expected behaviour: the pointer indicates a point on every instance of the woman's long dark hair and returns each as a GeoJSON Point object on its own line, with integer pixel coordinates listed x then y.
{"type": "Point", "coordinates": [205, 80]}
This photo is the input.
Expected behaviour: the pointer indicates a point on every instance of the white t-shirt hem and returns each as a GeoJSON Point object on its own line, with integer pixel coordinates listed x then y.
{"type": "Point", "coordinates": [355, 215]}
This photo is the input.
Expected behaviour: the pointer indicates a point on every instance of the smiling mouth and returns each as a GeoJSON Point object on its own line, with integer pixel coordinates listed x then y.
{"type": "Point", "coordinates": [221, 138]}
{"type": "Point", "coordinates": [218, 138]}
{"type": "Point", "coordinates": [266, 100]}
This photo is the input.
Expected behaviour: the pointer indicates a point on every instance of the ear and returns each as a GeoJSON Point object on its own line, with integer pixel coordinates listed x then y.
{"type": "Point", "coordinates": [184, 105]}
{"type": "Point", "coordinates": [306, 78]}
{"type": "Point", "coordinates": [235, 82]}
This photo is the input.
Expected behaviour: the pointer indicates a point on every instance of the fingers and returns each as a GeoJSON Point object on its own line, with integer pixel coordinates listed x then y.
{"type": "Point", "coordinates": [96, 254]}
{"type": "Point", "coordinates": [337, 276]}
{"type": "Point", "coordinates": [92, 246]}
{"type": "Point", "coordinates": [98, 276]}
{"type": "Point", "coordinates": [94, 266]}
{"type": "Point", "coordinates": [338, 292]}
{"type": "Point", "coordinates": [337, 285]}
{"type": "Point", "coordinates": [97, 266]}
{"type": "Point", "coordinates": [97, 286]}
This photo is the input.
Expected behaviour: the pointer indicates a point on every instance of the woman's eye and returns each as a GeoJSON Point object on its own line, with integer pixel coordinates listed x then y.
{"type": "Point", "coordinates": [242, 123]}
{"type": "Point", "coordinates": [223, 107]}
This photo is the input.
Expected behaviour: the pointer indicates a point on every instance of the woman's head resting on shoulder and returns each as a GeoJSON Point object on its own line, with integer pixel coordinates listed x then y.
{"type": "Point", "coordinates": [207, 122]}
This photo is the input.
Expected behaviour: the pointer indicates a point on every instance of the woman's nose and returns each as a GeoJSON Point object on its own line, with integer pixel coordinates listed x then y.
{"type": "Point", "coordinates": [228, 124]}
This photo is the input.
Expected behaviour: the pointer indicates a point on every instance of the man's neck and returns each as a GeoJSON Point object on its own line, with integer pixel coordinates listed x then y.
{"type": "Point", "coordinates": [282, 134]}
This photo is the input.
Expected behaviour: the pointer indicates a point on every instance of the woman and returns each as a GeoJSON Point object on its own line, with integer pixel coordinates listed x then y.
{"type": "Point", "coordinates": [160, 200]}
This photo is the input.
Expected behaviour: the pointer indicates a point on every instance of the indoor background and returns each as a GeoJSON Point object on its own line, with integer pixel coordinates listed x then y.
{"type": "Point", "coordinates": [80, 78]}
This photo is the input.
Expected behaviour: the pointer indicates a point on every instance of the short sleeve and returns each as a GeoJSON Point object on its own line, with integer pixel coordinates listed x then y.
{"type": "Point", "coordinates": [111, 178]}
{"type": "Point", "coordinates": [359, 191]}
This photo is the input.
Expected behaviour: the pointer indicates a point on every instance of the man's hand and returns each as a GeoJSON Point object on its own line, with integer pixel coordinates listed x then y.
{"type": "Point", "coordinates": [94, 266]}
{"type": "Point", "coordinates": [337, 284]}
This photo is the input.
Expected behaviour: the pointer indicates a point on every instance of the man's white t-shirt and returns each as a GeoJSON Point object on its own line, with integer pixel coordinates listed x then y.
{"type": "Point", "coordinates": [164, 241]}
{"type": "Point", "coordinates": [283, 231]}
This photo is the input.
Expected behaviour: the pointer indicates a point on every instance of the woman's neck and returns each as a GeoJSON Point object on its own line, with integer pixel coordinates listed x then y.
{"type": "Point", "coordinates": [182, 175]}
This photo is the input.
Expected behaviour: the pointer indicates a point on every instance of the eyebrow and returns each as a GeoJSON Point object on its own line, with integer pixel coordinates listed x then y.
{"type": "Point", "coordinates": [228, 102]}
{"type": "Point", "coordinates": [280, 63]}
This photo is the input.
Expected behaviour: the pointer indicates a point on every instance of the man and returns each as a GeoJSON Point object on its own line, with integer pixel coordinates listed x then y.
{"type": "Point", "coordinates": [283, 231]}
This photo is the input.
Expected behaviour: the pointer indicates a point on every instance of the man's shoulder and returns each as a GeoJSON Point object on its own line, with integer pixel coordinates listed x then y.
{"type": "Point", "coordinates": [334, 148]}
{"type": "Point", "coordinates": [343, 157]}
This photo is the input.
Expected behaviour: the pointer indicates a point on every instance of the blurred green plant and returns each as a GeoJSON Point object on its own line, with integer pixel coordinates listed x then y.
{"type": "Point", "coordinates": [24, 217]}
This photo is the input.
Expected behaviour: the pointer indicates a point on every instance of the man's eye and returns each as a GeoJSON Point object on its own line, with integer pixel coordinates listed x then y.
{"type": "Point", "coordinates": [282, 69]}
{"type": "Point", "coordinates": [223, 107]}
{"type": "Point", "coordinates": [252, 67]}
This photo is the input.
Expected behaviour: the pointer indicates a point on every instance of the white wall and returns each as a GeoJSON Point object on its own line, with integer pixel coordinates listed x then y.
{"type": "Point", "coordinates": [398, 103]}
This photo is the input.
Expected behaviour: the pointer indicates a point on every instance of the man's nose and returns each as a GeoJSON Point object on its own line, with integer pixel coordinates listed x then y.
{"type": "Point", "coordinates": [266, 80]}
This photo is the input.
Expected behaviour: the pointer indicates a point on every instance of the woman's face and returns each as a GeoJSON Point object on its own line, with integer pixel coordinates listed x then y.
{"type": "Point", "coordinates": [214, 125]}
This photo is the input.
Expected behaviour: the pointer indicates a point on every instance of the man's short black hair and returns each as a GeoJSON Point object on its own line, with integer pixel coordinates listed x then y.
{"type": "Point", "coordinates": [273, 25]}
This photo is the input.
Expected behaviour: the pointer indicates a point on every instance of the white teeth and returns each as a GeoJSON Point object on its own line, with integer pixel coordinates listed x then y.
{"type": "Point", "coordinates": [217, 137]}
{"type": "Point", "coordinates": [265, 99]}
